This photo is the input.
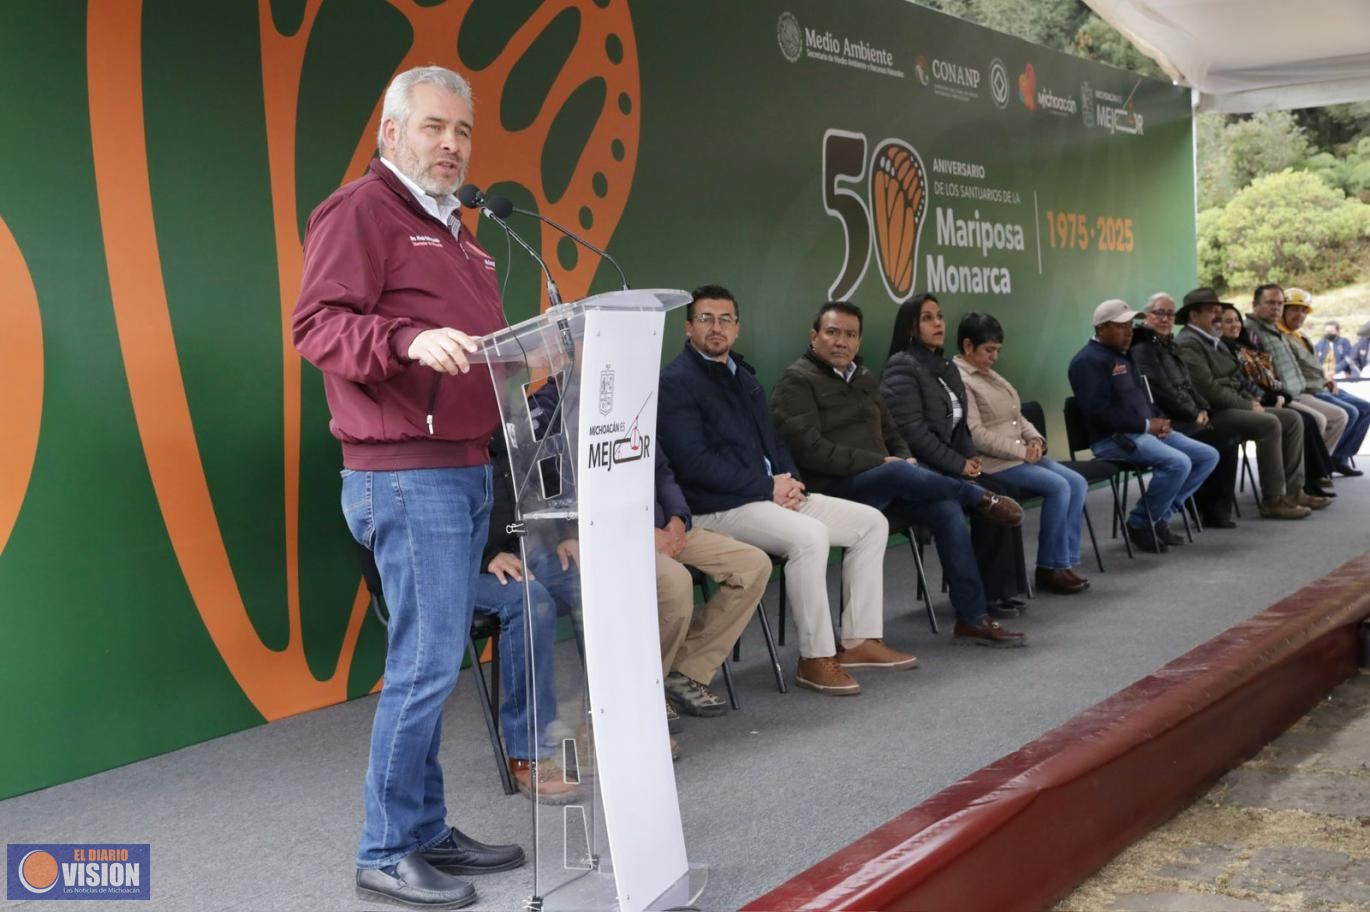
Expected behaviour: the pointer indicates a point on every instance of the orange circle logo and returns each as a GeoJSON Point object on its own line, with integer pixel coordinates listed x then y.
{"type": "Point", "coordinates": [38, 871]}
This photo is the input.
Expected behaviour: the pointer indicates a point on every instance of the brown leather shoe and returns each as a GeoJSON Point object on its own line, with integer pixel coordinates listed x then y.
{"type": "Point", "coordinates": [874, 653]}
{"type": "Point", "coordinates": [1311, 502]}
{"type": "Point", "coordinates": [1282, 508]}
{"type": "Point", "coordinates": [987, 633]}
{"type": "Point", "coordinates": [1059, 581]}
{"type": "Point", "coordinates": [1084, 581]}
{"type": "Point", "coordinates": [824, 675]}
{"type": "Point", "coordinates": [552, 785]}
{"type": "Point", "coordinates": [1000, 510]}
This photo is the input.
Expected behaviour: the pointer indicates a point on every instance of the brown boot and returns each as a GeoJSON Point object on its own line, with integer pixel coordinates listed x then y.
{"type": "Point", "coordinates": [1311, 502]}
{"type": "Point", "coordinates": [1000, 510]}
{"type": "Point", "coordinates": [1282, 508]}
{"type": "Point", "coordinates": [1062, 582]}
{"type": "Point", "coordinates": [824, 675]}
{"type": "Point", "coordinates": [874, 653]}
{"type": "Point", "coordinates": [552, 787]}
{"type": "Point", "coordinates": [987, 633]}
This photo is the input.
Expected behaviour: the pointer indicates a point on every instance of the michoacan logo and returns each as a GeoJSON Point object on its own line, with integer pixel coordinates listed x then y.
{"type": "Point", "coordinates": [889, 218]}
{"type": "Point", "coordinates": [279, 682]}
{"type": "Point", "coordinates": [1027, 88]}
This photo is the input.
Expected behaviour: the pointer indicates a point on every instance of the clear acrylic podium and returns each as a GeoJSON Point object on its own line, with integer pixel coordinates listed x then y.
{"type": "Point", "coordinates": [577, 391]}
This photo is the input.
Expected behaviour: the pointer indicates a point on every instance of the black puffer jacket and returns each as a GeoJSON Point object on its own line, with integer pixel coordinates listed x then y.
{"type": "Point", "coordinates": [922, 409]}
{"type": "Point", "coordinates": [1172, 389]}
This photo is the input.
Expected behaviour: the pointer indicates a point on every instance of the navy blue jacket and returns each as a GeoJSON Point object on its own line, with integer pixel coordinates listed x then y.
{"type": "Point", "coordinates": [1109, 390]}
{"type": "Point", "coordinates": [670, 500]}
{"type": "Point", "coordinates": [718, 432]}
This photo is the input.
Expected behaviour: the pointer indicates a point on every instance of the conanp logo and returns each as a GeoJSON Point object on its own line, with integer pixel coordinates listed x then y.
{"type": "Point", "coordinates": [77, 871]}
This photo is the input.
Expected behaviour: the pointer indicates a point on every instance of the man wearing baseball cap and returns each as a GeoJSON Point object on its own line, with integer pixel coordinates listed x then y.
{"type": "Point", "coordinates": [1298, 304]}
{"type": "Point", "coordinates": [1124, 424]}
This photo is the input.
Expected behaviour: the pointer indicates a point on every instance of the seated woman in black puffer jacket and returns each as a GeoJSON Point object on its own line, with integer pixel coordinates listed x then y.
{"type": "Point", "coordinates": [926, 396]}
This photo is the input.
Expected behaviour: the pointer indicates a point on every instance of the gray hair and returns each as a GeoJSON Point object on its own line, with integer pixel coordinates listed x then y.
{"type": "Point", "coordinates": [397, 94]}
{"type": "Point", "coordinates": [1158, 296]}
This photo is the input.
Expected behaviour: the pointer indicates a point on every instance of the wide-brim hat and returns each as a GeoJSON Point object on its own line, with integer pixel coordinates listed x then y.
{"type": "Point", "coordinates": [1193, 300]}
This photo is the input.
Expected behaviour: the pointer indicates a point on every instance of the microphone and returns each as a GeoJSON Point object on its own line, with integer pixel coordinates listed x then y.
{"type": "Point", "coordinates": [472, 198]}
{"type": "Point", "coordinates": [573, 236]}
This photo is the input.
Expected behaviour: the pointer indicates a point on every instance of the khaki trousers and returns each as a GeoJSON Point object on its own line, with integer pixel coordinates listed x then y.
{"type": "Point", "coordinates": [803, 538]}
{"type": "Point", "coordinates": [1330, 419]}
{"type": "Point", "coordinates": [695, 644]}
{"type": "Point", "coordinates": [1278, 435]}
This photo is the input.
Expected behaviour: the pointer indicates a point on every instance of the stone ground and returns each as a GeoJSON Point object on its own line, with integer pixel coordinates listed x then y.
{"type": "Point", "coordinates": [1288, 830]}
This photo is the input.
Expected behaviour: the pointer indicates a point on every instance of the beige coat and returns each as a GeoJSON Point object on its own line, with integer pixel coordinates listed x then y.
{"type": "Point", "coordinates": [995, 416]}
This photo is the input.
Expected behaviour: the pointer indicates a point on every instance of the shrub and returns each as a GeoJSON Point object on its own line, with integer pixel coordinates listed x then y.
{"type": "Point", "coordinates": [1290, 228]}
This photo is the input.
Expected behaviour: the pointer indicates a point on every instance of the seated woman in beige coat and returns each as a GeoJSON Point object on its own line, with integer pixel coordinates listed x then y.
{"type": "Point", "coordinates": [1014, 451]}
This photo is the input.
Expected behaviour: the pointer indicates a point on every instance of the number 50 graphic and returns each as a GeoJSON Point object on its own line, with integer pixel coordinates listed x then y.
{"type": "Point", "coordinates": [897, 191]}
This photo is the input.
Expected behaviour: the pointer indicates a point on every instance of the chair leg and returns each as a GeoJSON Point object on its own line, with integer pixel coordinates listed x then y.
{"type": "Point", "coordinates": [1184, 517]}
{"type": "Point", "coordinates": [1118, 517]}
{"type": "Point", "coordinates": [770, 647]}
{"type": "Point", "coordinates": [1094, 542]}
{"type": "Point", "coordinates": [783, 605]}
{"type": "Point", "coordinates": [728, 683]}
{"type": "Point", "coordinates": [1141, 497]}
{"type": "Point", "coordinates": [491, 720]}
{"type": "Point", "coordinates": [923, 585]}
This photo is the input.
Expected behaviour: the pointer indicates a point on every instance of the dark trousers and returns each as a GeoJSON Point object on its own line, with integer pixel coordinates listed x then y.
{"type": "Point", "coordinates": [1216, 494]}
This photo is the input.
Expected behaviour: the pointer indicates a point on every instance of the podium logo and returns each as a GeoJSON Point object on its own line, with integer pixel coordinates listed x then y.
{"type": "Point", "coordinates": [78, 871]}
{"type": "Point", "coordinates": [889, 218]}
{"type": "Point", "coordinates": [606, 391]}
{"type": "Point", "coordinates": [790, 37]}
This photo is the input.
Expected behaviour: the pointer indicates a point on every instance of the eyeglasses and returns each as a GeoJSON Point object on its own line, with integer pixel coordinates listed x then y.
{"type": "Point", "coordinates": [724, 320]}
{"type": "Point", "coordinates": [1163, 314]}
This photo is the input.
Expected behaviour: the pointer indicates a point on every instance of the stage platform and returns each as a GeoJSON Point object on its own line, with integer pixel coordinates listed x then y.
{"type": "Point", "coordinates": [267, 818]}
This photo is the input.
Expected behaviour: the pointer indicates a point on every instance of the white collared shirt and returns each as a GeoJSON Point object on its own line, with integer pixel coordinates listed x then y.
{"type": "Point", "coordinates": [441, 208]}
{"type": "Point", "coordinates": [1212, 339]}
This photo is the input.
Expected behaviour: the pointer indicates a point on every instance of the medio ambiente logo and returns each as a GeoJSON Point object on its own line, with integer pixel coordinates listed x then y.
{"type": "Point", "coordinates": [790, 37]}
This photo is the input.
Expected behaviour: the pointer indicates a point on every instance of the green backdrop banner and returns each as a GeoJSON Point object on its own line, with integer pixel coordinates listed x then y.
{"type": "Point", "coordinates": [172, 555]}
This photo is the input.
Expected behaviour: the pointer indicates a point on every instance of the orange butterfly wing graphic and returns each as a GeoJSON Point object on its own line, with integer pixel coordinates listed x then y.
{"type": "Point", "coordinates": [899, 200]}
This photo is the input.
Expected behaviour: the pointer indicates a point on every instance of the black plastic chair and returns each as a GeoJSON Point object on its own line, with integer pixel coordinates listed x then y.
{"type": "Point", "coordinates": [766, 634]}
{"type": "Point", "coordinates": [483, 627]}
{"type": "Point", "coordinates": [1077, 439]}
{"type": "Point", "coordinates": [1089, 469]}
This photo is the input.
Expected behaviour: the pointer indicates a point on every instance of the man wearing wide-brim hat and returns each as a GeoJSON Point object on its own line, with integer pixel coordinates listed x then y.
{"type": "Point", "coordinates": [1217, 375]}
{"type": "Point", "coordinates": [1298, 304]}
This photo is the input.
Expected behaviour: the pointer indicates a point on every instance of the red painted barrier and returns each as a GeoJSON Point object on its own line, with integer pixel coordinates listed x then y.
{"type": "Point", "coordinates": [1024, 831]}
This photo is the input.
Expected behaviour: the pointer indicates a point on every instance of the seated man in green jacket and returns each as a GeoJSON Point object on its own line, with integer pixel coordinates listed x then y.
{"type": "Point", "coordinates": [1278, 432]}
{"type": "Point", "coordinates": [828, 409]}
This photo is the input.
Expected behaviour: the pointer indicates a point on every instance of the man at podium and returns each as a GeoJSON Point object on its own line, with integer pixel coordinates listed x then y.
{"type": "Point", "coordinates": [393, 289]}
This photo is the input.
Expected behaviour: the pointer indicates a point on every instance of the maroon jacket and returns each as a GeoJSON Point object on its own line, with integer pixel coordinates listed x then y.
{"type": "Point", "coordinates": [378, 271]}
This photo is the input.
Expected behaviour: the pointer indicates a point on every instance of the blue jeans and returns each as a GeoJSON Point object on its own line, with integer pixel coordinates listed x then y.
{"type": "Point", "coordinates": [1357, 423]}
{"type": "Point", "coordinates": [427, 528]}
{"type": "Point", "coordinates": [1178, 466]}
{"type": "Point", "coordinates": [505, 601]}
{"type": "Point", "coordinates": [938, 502]}
{"type": "Point", "coordinates": [1063, 492]}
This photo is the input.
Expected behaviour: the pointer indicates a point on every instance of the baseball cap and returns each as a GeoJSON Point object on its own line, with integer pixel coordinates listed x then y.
{"type": "Point", "coordinates": [1113, 311]}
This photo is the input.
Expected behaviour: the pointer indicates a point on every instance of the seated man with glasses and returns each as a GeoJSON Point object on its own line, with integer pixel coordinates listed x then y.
{"type": "Point", "coordinates": [739, 480]}
{"type": "Point", "coordinates": [1172, 390]}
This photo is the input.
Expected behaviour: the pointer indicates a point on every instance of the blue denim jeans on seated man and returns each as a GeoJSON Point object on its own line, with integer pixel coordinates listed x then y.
{"type": "Point", "coordinates": [505, 601]}
{"type": "Point", "coordinates": [1178, 466]}
{"type": "Point", "coordinates": [1063, 492]}
{"type": "Point", "coordinates": [1357, 423]}
{"type": "Point", "coordinates": [938, 502]}
{"type": "Point", "coordinates": [427, 528]}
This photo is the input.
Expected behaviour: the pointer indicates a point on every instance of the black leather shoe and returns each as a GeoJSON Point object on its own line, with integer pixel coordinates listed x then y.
{"type": "Point", "coordinates": [1213, 522]}
{"type": "Point", "coordinates": [460, 854]}
{"type": "Point", "coordinates": [1144, 538]}
{"type": "Point", "coordinates": [414, 882]}
{"type": "Point", "coordinates": [1344, 468]}
{"type": "Point", "coordinates": [1167, 534]}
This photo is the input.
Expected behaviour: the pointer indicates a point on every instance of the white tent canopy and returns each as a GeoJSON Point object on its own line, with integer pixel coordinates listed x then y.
{"type": "Point", "coordinates": [1253, 55]}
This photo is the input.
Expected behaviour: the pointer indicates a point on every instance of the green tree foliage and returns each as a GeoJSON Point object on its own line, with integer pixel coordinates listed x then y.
{"type": "Point", "coordinates": [1289, 227]}
{"type": "Point", "coordinates": [1233, 152]}
{"type": "Point", "coordinates": [1350, 174]}
{"type": "Point", "coordinates": [1097, 40]}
